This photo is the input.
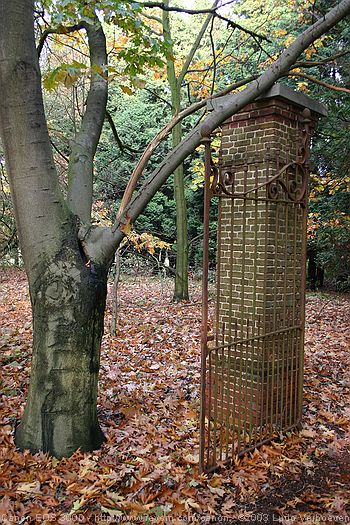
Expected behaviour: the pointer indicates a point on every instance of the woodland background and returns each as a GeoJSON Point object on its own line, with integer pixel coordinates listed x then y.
{"type": "Point", "coordinates": [139, 106]}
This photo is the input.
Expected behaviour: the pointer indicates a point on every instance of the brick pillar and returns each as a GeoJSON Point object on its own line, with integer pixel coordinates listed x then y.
{"type": "Point", "coordinates": [260, 245]}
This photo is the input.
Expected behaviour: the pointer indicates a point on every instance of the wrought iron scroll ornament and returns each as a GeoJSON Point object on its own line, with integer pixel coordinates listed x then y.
{"type": "Point", "coordinates": [289, 183]}
{"type": "Point", "coordinates": [292, 179]}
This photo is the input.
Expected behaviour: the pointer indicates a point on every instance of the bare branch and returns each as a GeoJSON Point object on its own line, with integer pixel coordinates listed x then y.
{"type": "Point", "coordinates": [156, 19]}
{"type": "Point", "coordinates": [214, 57]}
{"type": "Point", "coordinates": [163, 6]}
{"type": "Point", "coordinates": [120, 144]}
{"type": "Point", "coordinates": [73, 47]}
{"type": "Point", "coordinates": [319, 82]}
{"type": "Point", "coordinates": [196, 44]}
{"type": "Point", "coordinates": [141, 165]}
{"type": "Point", "coordinates": [152, 92]}
{"type": "Point", "coordinates": [230, 23]}
{"type": "Point", "coordinates": [212, 11]}
{"type": "Point", "coordinates": [152, 17]}
{"type": "Point", "coordinates": [59, 133]}
{"type": "Point", "coordinates": [114, 131]}
{"type": "Point", "coordinates": [61, 30]}
{"type": "Point", "coordinates": [325, 61]}
{"type": "Point", "coordinates": [59, 151]}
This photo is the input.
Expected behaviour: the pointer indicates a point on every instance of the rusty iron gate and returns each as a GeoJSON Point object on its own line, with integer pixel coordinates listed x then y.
{"type": "Point", "coordinates": [253, 336]}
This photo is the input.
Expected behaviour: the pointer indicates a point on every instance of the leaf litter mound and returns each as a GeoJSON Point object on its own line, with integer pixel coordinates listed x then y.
{"type": "Point", "coordinates": [146, 471]}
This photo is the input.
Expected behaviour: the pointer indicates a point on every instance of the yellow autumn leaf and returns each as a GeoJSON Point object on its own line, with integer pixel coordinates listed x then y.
{"type": "Point", "coordinates": [279, 32]}
{"type": "Point", "coordinates": [31, 488]}
{"type": "Point", "coordinates": [303, 86]}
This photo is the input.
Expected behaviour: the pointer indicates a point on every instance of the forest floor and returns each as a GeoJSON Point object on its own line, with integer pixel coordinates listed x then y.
{"type": "Point", "coordinates": [146, 472]}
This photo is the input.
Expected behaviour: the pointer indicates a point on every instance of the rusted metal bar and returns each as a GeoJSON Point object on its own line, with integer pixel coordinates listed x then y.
{"type": "Point", "coordinates": [304, 159]}
{"type": "Point", "coordinates": [204, 327]}
{"type": "Point", "coordinates": [267, 334]}
{"type": "Point", "coordinates": [276, 436]}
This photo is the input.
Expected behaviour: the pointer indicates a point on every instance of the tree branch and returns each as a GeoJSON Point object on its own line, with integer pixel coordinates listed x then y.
{"type": "Point", "coordinates": [230, 23]}
{"type": "Point", "coordinates": [59, 133]}
{"type": "Point", "coordinates": [319, 82]}
{"type": "Point", "coordinates": [59, 151]}
{"type": "Point", "coordinates": [325, 61]}
{"type": "Point", "coordinates": [61, 30]}
{"type": "Point", "coordinates": [83, 147]}
{"type": "Point", "coordinates": [212, 11]}
{"type": "Point", "coordinates": [152, 17]}
{"type": "Point", "coordinates": [120, 144]}
{"type": "Point", "coordinates": [196, 44]}
{"type": "Point", "coordinates": [156, 19]}
{"type": "Point", "coordinates": [214, 57]}
{"type": "Point", "coordinates": [156, 95]}
{"type": "Point", "coordinates": [163, 6]}
{"type": "Point", "coordinates": [114, 131]}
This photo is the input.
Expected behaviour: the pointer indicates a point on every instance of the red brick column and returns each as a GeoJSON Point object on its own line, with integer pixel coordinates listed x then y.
{"type": "Point", "coordinates": [260, 245]}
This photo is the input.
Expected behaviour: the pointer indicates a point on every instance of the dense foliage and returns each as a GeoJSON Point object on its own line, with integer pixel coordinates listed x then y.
{"type": "Point", "coordinates": [140, 105]}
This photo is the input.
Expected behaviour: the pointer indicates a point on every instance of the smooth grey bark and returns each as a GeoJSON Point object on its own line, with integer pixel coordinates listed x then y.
{"type": "Point", "coordinates": [68, 302]}
{"type": "Point", "coordinates": [67, 289]}
{"type": "Point", "coordinates": [83, 146]}
{"type": "Point", "coordinates": [42, 217]}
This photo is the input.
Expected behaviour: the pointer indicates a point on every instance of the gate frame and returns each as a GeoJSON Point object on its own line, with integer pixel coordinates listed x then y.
{"type": "Point", "coordinates": [210, 190]}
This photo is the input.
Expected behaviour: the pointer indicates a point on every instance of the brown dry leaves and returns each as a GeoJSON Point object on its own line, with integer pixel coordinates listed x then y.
{"type": "Point", "coordinates": [148, 408]}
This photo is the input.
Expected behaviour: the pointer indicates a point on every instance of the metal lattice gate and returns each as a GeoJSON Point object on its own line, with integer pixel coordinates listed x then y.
{"type": "Point", "coordinates": [252, 340]}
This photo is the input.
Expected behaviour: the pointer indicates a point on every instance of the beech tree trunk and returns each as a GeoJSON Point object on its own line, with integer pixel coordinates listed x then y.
{"type": "Point", "coordinates": [67, 275]}
{"type": "Point", "coordinates": [68, 301]}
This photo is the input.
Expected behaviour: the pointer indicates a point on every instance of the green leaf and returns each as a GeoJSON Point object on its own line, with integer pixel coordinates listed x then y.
{"type": "Point", "coordinates": [77, 505]}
